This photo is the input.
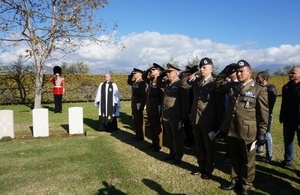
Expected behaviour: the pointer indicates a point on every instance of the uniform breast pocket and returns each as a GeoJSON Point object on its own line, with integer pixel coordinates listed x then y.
{"type": "Point", "coordinates": [249, 102]}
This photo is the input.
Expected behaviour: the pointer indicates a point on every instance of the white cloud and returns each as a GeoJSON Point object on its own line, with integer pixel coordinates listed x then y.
{"type": "Point", "coordinates": [141, 50]}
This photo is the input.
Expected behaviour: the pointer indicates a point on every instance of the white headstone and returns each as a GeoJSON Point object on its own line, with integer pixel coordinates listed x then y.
{"type": "Point", "coordinates": [40, 122]}
{"type": "Point", "coordinates": [7, 123]}
{"type": "Point", "coordinates": [75, 120]}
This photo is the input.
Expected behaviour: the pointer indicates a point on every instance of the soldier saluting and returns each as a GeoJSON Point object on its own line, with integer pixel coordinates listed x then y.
{"type": "Point", "coordinates": [153, 77]}
{"type": "Point", "coordinates": [245, 123]}
{"type": "Point", "coordinates": [58, 88]}
{"type": "Point", "coordinates": [138, 101]}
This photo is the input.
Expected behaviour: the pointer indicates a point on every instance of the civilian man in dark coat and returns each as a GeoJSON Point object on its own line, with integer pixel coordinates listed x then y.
{"type": "Point", "coordinates": [290, 115]}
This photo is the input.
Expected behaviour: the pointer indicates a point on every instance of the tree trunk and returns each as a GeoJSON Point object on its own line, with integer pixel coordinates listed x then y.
{"type": "Point", "coordinates": [38, 85]}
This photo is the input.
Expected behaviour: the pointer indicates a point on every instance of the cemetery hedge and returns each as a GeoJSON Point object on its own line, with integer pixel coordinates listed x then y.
{"type": "Point", "coordinates": [20, 89]}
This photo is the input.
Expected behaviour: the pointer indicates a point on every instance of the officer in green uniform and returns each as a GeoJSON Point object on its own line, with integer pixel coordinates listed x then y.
{"type": "Point", "coordinates": [138, 101]}
{"type": "Point", "coordinates": [203, 117]}
{"type": "Point", "coordinates": [175, 111]}
{"type": "Point", "coordinates": [153, 77]}
{"type": "Point", "coordinates": [245, 123]}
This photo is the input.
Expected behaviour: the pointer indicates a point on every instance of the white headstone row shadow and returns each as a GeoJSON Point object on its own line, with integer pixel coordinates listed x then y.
{"type": "Point", "coordinates": [40, 120]}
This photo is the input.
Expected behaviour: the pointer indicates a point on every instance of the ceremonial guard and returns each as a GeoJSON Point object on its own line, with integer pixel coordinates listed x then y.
{"type": "Point", "coordinates": [58, 88]}
{"type": "Point", "coordinates": [245, 123]}
{"type": "Point", "coordinates": [138, 101]}
{"type": "Point", "coordinates": [153, 77]}
{"type": "Point", "coordinates": [203, 117]}
{"type": "Point", "coordinates": [108, 102]}
{"type": "Point", "coordinates": [175, 111]}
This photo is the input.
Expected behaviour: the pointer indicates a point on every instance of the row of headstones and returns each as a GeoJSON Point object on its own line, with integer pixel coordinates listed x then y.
{"type": "Point", "coordinates": [40, 121]}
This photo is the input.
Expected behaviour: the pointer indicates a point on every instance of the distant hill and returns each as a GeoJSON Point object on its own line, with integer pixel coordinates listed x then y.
{"type": "Point", "coordinates": [270, 67]}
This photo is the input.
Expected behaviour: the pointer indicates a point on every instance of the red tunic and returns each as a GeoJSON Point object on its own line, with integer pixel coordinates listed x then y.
{"type": "Point", "coordinates": [58, 85]}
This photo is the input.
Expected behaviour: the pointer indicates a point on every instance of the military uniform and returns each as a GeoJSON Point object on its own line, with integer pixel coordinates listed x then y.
{"type": "Point", "coordinates": [58, 88]}
{"type": "Point", "coordinates": [245, 120]}
{"type": "Point", "coordinates": [138, 101]}
{"type": "Point", "coordinates": [154, 106]}
{"type": "Point", "coordinates": [187, 78]}
{"type": "Point", "coordinates": [175, 111]}
{"type": "Point", "coordinates": [203, 117]}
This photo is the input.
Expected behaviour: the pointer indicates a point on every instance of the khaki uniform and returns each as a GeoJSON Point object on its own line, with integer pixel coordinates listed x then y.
{"type": "Point", "coordinates": [246, 117]}
{"type": "Point", "coordinates": [203, 117]}
{"type": "Point", "coordinates": [174, 111]}
{"type": "Point", "coordinates": [138, 101]}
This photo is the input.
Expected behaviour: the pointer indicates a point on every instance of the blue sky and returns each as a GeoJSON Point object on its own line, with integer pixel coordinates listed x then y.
{"type": "Point", "coordinates": [265, 33]}
{"type": "Point", "coordinates": [251, 24]}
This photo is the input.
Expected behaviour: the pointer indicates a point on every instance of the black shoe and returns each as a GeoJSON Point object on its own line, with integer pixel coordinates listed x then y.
{"type": "Point", "coordinates": [267, 159]}
{"type": "Point", "coordinates": [244, 192]}
{"type": "Point", "coordinates": [196, 172]}
{"type": "Point", "coordinates": [286, 164]}
{"type": "Point", "coordinates": [176, 161]}
{"type": "Point", "coordinates": [231, 186]}
{"type": "Point", "coordinates": [205, 176]}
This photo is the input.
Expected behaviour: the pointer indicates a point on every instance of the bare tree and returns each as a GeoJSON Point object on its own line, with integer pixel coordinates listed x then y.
{"type": "Point", "coordinates": [50, 25]}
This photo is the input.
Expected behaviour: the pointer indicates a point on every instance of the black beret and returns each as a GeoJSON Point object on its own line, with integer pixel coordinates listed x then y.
{"type": "Point", "coordinates": [172, 67]}
{"type": "Point", "coordinates": [193, 69]}
{"type": "Point", "coordinates": [137, 70]}
{"type": "Point", "coordinates": [57, 69]}
{"type": "Point", "coordinates": [242, 63]}
{"type": "Point", "coordinates": [205, 61]}
{"type": "Point", "coordinates": [156, 66]}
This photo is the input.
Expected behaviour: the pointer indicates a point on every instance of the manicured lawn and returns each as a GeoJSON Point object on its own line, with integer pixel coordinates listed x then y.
{"type": "Point", "coordinates": [112, 163]}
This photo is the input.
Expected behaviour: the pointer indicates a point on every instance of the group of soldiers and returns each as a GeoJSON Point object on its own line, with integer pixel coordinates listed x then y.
{"type": "Point", "coordinates": [231, 102]}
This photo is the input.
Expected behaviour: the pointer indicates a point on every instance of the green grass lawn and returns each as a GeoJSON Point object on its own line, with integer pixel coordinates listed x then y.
{"type": "Point", "coordinates": [111, 163]}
